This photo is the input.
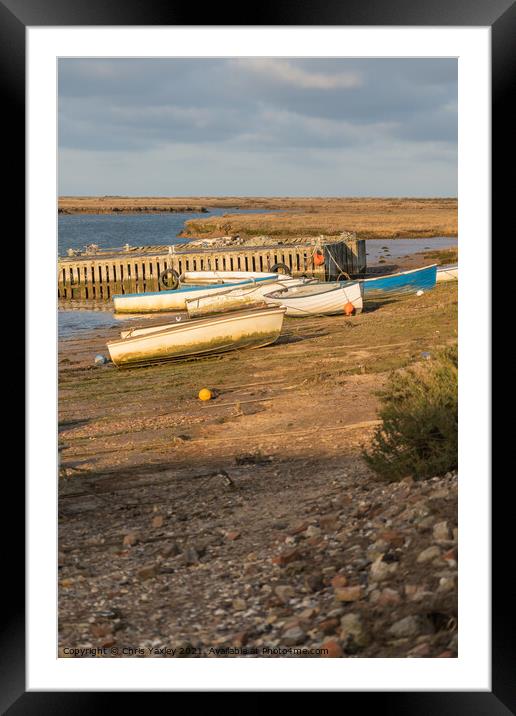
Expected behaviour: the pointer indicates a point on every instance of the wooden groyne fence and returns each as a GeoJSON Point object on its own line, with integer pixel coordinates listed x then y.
{"type": "Point", "coordinates": [137, 269]}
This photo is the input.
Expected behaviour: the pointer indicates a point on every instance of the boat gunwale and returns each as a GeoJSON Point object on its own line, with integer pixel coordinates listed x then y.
{"type": "Point", "coordinates": [399, 273]}
{"type": "Point", "coordinates": [339, 285]}
{"type": "Point", "coordinates": [194, 323]}
{"type": "Point", "coordinates": [235, 289]}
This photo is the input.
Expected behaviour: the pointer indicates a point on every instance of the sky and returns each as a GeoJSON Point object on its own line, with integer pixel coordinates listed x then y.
{"type": "Point", "coordinates": [258, 127]}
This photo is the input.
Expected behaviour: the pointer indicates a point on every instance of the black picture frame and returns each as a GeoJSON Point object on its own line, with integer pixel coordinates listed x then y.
{"type": "Point", "coordinates": [500, 16]}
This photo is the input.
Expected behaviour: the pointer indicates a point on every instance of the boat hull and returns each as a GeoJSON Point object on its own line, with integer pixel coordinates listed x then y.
{"type": "Point", "coordinates": [448, 273]}
{"type": "Point", "coordinates": [400, 284]}
{"type": "Point", "coordinates": [236, 298]}
{"type": "Point", "coordinates": [209, 277]}
{"type": "Point", "coordinates": [318, 299]}
{"type": "Point", "coordinates": [198, 337]}
{"type": "Point", "coordinates": [160, 301]}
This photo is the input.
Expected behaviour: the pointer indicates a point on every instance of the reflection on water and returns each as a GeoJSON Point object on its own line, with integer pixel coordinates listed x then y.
{"type": "Point", "coordinates": [71, 323]}
{"type": "Point", "coordinates": [111, 231]}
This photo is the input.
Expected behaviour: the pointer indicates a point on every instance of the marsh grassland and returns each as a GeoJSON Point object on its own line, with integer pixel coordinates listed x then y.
{"type": "Point", "coordinates": [370, 218]}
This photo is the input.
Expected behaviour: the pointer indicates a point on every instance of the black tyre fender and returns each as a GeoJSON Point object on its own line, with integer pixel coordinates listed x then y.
{"type": "Point", "coordinates": [169, 279]}
{"type": "Point", "coordinates": [275, 269]}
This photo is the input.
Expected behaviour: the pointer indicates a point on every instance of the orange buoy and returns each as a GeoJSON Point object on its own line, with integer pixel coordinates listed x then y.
{"type": "Point", "coordinates": [205, 394]}
{"type": "Point", "coordinates": [318, 257]}
{"type": "Point", "coordinates": [349, 309]}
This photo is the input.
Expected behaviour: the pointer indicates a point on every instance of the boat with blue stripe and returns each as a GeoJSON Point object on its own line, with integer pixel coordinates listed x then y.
{"type": "Point", "coordinates": [400, 284]}
{"type": "Point", "coordinates": [175, 300]}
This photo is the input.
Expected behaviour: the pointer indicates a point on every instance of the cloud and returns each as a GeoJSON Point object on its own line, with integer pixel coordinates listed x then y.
{"type": "Point", "coordinates": [283, 71]}
{"type": "Point", "coordinates": [218, 119]}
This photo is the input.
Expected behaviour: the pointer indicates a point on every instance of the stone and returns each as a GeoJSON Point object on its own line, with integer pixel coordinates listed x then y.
{"type": "Point", "coordinates": [336, 612]}
{"type": "Point", "coordinates": [190, 555]}
{"type": "Point", "coordinates": [441, 532]}
{"type": "Point", "coordinates": [450, 557]}
{"type": "Point", "coordinates": [239, 604]}
{"type": "Point", "coordinates": [314, 582]}
{"type": "Point", "coordinates": [329, 570]}
{"type": "Point", "coordinates": [392, 537]}
{"type": "Point", "coordinates": [130, 539]}
{"type": "Point", "coordinates": [420, 651]}
{"type": "Point", "coordinates": [284, 592]}
{"type": "Point", "coordinates": [446, 584]}
{"type": "Point", "coordinates": [240, 639]}
{"type": "Point", "coordinates": [147, 572]}
{"type": "Point", "coordinates": [349, 594]}
{"type": "Point", "coordinates": [170, 550]}
{"type": "Point", "coordinates": [377, 549]}
{"type": "Point", "coordinates": [329, 522]}
{"type": "Point", "coordinates": [293, 636]}
{"type": "Point", "coordinates": [339, 580]}
{"type": "Point", "coordinates": [298, 528]}
{"type": "Point", "coordinates": [101, 630]}
{"type": "Point", "coordinates": [286, 557]}
{"type": "Point", "coordinates": [158, 521]}
{"type": "Point", "coordinates": [331, 649]}
{"type": "Point", "coordinates": [381, 571]}
{"type": "Point", "coordinates": [429, 553]}
{"type": "Point", "coordinates": [352, 630]}
{"type": "Point", "coordinates": [416, 593]}
{"type": "Point", "coordinates": [426, 523]}
{"type": "Point", "coordinates": [233, 535]}
{"type": "Point", "coordinates": [408, 626]}
{"type": "Point", "coordinates": [308, 613]}
{"type": "Point", "coordinates": [328, 626]}
{"type": "Point", "coordinates": [108, 642]}
{"type": "Point", "coordinates": [312, 531]}
{"type": "Point", "coordinates": [388, 597]}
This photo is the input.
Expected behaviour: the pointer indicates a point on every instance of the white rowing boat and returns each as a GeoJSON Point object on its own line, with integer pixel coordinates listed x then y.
{"type": "Point", "coordinates": [198, 337]}
{"type": "Point", "coordinates": [448, 273]}
{"type": "Point", "coordinates": [234, 299]}
{"type": "Point", "coordinates": [156, 301]}
{"type": "Point", "coordinates": [315, 299]}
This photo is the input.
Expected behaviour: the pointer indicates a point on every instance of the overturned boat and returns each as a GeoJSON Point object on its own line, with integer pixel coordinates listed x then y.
{"type": "Point", "coordinates": [450, 272]}
{"type": "Point", "coordinates": [319, 299]}
{"type": "Point", "coordinates": [198, 337]}
{"type": "Point", "coordinates": [399, 284]}
{"type": "Point", "coordinates": [175, 300]}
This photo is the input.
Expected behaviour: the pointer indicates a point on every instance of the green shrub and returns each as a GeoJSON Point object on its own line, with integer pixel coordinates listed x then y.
{"type": "Point", "coordinates": [419, 411]}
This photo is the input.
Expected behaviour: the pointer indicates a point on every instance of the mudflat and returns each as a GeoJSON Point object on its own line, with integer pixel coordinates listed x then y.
{"type": "Point", "coordinates": [250, 523]}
